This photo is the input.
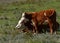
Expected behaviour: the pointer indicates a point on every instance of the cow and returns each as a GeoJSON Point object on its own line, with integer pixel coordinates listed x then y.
{"type": "Point", "coordinates": [44, 16]}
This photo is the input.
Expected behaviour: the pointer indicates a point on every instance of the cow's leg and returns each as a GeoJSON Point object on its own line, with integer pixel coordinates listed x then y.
{"type": "Point", "coordinates": [56, 26]}
{"type": "Point", "coordinates": [51, 30]}
{"type": "Point", "coordinates": [35, 29]}
{"type": "Point", "coordinates": [35, 26]}
{"type": "Point", "coordinates": [50, 25]}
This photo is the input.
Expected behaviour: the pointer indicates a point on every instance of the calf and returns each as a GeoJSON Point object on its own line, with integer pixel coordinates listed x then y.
{"type": "Point", "coordinates": [39, 18]}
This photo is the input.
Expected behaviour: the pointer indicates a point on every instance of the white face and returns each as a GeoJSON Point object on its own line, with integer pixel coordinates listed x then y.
{"type": "Point", "coordinates": [21, 21]}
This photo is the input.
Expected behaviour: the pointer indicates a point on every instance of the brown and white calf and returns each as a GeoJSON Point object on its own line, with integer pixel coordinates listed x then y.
{"type": "Point", "coordinates": [48, 16]}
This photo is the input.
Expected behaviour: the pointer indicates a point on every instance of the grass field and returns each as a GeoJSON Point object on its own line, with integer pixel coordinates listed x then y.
{"type": "Point", "coordinates": [10, 13]}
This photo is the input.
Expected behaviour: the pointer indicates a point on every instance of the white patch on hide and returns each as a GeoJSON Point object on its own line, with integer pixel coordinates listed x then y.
{"type": "Point", "coordinates": [45, 14]}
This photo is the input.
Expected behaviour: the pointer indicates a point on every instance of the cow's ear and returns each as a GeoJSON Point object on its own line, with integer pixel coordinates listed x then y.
{"type": "Point", "coordinates": [25, 13]}
{"type": "Point", "coordinates": [28, 15]}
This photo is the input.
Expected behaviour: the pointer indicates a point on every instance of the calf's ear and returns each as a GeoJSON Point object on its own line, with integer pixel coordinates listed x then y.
{"type": "Point", "coordinates": [28, 15]}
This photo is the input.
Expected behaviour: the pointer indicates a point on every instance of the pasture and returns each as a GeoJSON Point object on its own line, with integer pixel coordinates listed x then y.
{"type": "Point", "coordinates": [10, 13]}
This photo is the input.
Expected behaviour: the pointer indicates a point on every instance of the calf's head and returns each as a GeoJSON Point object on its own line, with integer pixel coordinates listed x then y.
{"type": "Point", "coordinates": [25, 17]}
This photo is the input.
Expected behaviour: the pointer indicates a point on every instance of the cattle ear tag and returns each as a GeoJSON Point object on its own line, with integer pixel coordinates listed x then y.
{"type": "Point", "coordinates": [45, 14]}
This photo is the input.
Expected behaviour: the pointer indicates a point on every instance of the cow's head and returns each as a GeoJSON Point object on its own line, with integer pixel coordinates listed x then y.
{"type": "Point", "coordinates": [25, 17]}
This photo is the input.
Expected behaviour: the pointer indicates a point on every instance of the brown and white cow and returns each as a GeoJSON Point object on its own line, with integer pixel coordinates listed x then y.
{"type": "Point", "coordinates": [48, 16]}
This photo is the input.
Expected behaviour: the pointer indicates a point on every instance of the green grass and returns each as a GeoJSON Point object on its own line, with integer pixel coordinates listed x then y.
{"type": "Point", "coordinates": [29, 38]}
{"type": "Point", "coordinates": [11, 13]}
